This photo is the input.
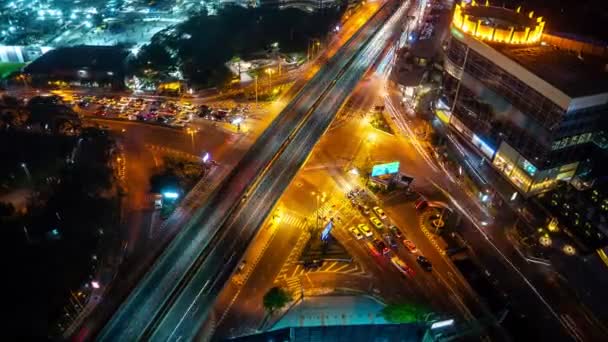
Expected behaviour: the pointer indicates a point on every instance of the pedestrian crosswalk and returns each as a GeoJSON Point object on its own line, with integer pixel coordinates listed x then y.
{"type": "Point", "coordinates": [294, 287]}
{"type": "Point", "coordinates": [168, 150]}
{"type": "Point", "coordinates": [290, 219]}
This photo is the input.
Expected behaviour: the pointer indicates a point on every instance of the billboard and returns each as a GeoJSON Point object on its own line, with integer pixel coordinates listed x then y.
{"type": "Point", "coordinates": [385, 169]}
{"type": "Point", "coordinates": [326, 230]}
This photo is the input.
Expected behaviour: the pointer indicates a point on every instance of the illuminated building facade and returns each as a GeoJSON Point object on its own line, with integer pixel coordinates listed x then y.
{"type": "Point", "coordinates": [530, 108]}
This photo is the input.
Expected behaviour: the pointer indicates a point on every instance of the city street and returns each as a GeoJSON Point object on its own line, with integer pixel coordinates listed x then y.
{"type": "Point", "coordinates": [326, 172]}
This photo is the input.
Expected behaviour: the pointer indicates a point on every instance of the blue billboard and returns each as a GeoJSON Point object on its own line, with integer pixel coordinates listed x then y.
{"type": "Point", "coordinates": [385, 169]}
{"type": "Point", "coordinates": [326, 230]}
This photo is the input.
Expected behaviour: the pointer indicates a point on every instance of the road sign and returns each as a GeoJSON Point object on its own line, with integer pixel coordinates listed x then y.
{"type": "Point", "coordinates": [326, 230]}
{"type": "Point", "coordinates": [385, 169]}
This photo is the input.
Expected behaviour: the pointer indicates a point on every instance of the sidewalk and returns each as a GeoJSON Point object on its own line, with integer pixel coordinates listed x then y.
{"type": "Point", "coordinates": [332, 310]}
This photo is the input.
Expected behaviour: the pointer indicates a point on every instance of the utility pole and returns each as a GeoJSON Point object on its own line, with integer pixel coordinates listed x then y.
{"type": "Point", "coordinates": [256, 89]}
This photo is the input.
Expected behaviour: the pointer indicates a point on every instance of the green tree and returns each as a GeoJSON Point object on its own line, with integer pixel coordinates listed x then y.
{"type": "Point", "coordinates": [404, 313]}
{"type": "Point", "coordinates": [276, 298]}
{"type": "Point", "coordinates": [6, 209]}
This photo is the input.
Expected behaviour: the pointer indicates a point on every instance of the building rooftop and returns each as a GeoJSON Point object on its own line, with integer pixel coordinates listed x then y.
{"type": "Point", "coordinates": [573, 74]}
{"type": "Point", "coordinates": [92, 58]}
{"type": "Point", "coordinates": [499, 16]}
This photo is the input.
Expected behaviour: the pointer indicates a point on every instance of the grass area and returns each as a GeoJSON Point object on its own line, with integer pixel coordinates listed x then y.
{"type": "Point", "coordinates": [379, 122]}
{"type": "Point", "coordinates": [8, 68]}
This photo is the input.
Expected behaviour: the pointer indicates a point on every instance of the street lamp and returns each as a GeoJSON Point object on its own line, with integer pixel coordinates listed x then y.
{"type": "Point", "coordinates": [269, 72]}
{"type": "Point", "coordinates": [256, 89]}
{"type": "Point", "coordinates": [320, 199]}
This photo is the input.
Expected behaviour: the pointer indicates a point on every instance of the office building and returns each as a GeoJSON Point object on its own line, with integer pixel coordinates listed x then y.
{"type": "Point", "coordinates": [530, 105]}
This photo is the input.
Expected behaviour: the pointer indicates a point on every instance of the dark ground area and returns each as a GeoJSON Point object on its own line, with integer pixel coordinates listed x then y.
{"type": "Point", "coordinates": [48, 250]}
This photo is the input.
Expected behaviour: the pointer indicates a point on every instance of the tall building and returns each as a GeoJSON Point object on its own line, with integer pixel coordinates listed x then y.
{"type": "Point", "coordinates": [530, 107]}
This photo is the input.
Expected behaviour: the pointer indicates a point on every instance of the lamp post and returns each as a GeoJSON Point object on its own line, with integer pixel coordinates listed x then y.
{"type": "Point", "coordinates": [269, 71]}
{"type": "Point", "coordinates": [320, 199]}
{"type": "Point", "coordinates": [256, 89]}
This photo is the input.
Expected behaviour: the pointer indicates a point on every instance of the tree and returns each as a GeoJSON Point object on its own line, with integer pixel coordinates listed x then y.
{"type": "Point", "coordinates": [6, 209]}
{"type": "Point", "coordinates": [276, 298]}
{"type": "Point", "coordinates": [404, 313]}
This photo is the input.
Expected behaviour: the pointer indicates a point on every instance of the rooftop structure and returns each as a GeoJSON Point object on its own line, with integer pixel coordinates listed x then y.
{"type": "Point", "coordinates": [80, 64]}
{"type": "Point", "coordinates": [497, 24]}
{"type": "Point", "coordinates": [574, 74]}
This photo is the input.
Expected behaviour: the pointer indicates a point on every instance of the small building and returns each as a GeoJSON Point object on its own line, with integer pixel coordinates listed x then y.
{"type": "Point", "coordinates": [89, 66]}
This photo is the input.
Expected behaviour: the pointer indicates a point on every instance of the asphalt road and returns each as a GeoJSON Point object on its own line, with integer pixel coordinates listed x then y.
{"type": "Point", "coordinates": [141, 308]}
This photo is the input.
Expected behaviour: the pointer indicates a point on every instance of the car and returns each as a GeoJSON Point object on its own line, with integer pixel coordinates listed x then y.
{"type": "Point", "coordinates": [356, 233]}
{"type": "Point", "coordinates": [372, 248]}
{"type": "Point", "coordinates": [402, 266]}
{"type": "Point", "coordinates": [312, 264]}
{"type": "Point", "coordinates": [396, 232]}
{"type": "Point", "coordinates": [365, 229]}
{"type": "Point", "coordinates": [381, 246]}
{"type": "Point", "coordinates": [377, 223]}
{"type": "Point", "coordinates": [364, 208]}
{"type": "Point", "coordinates": [410, 246]}
{"type": "Point", "coordinates": [421, 204]}
{"type": "Point", "coordinates": [424, 263]}
{"type": "Point", "coordinates": [241, 266]}
{"type": "Point", "coordinates": [390, 240]}
{"type": "Point", "coordinates": [178, 123]}
{"type": "Point", "coordinates": [379, 212]}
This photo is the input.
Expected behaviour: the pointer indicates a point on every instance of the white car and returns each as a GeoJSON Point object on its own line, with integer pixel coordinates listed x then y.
{"type": "Point", "coordinates": [356, 233]}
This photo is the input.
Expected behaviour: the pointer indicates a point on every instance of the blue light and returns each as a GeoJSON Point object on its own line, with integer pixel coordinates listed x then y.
{"type": "Point", "coordinates": [384, 169]}
{"type": "Point", "coordinates": [170, 194]}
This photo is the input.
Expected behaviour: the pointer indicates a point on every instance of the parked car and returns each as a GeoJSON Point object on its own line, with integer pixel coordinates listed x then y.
{"type": "Point", "coordinates": [365, 229]}
{"type": "Point", "coordinates": [356, 233]}
{"type": "Point", "coordinates": [376, 222]}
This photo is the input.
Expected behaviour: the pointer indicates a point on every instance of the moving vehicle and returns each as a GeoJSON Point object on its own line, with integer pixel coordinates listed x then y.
{"type": "Point", "coordinates": [390, 241]}
{"type": "Point", "coordinates": [410, 246]}
{"type": "Point", "coordinates": [356, 233]}
{"type": "Point", "coordinates": [402, 266]}
{"type": "Point", "coordinates": [312, 264]}
{"type": "Point", "coordinates": [364, 208]}
{"type": "Point", "coordinates": [376, 222]}
{"type": "Point", "coordinates": [365, 229]}
{"type": "Point", "coordinates": [424, 263]}
{"type": "Point", "coordinates": [421, 203]}
{"type": "Point", "coordinates": [379, 212]}
{"type": "Point", "coordinates": [396, 232]}
{"type": "Point", "coordinates": [381, 246]}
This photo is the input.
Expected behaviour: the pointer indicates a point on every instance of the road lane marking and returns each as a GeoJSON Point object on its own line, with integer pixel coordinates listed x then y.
{"type": "Point", "coordinates": [188, 310]}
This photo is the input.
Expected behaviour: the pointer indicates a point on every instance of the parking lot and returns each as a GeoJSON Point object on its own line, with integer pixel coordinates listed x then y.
{"type": "Point", "coordinates": [174, 113]}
